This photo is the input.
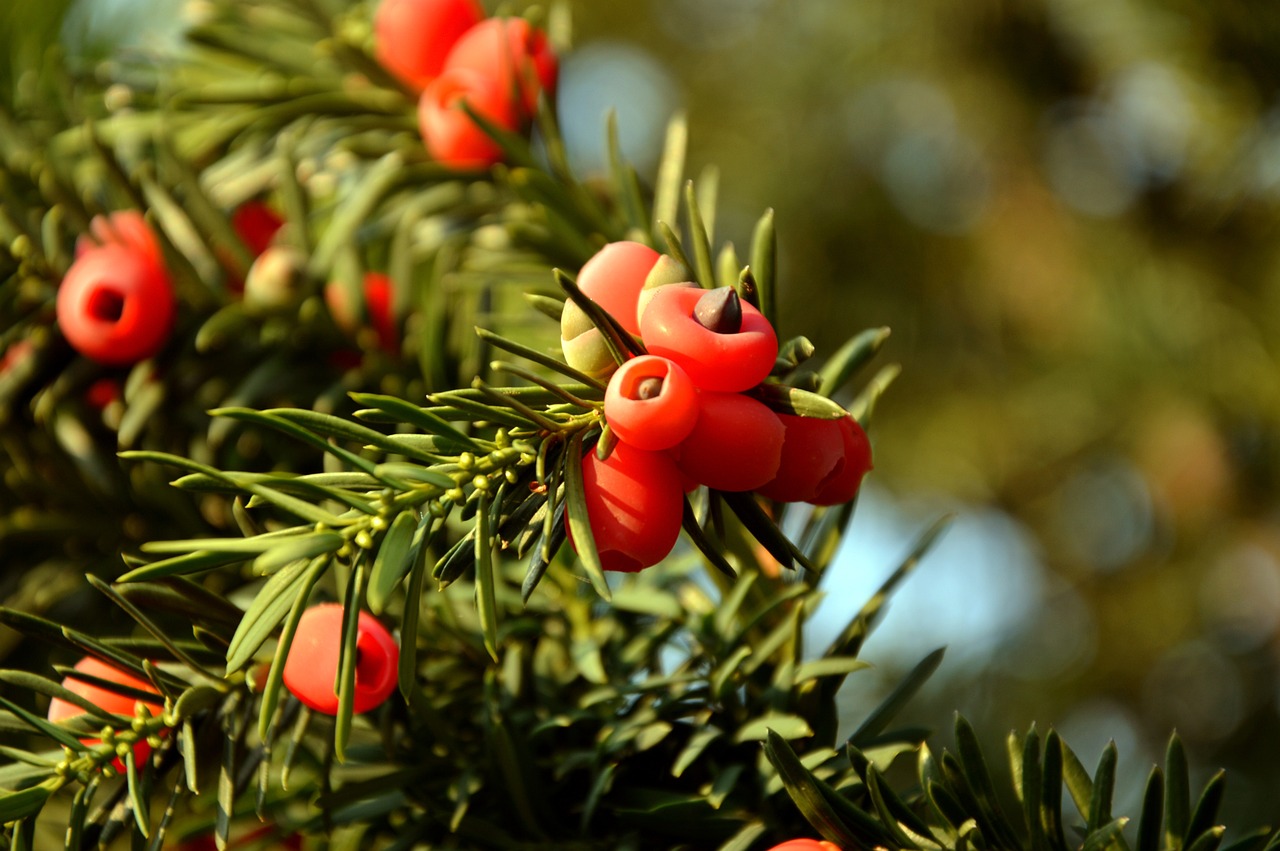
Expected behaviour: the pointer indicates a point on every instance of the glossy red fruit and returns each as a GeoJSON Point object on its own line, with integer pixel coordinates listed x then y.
{"type": "Point", "coordinates": [450, 135]}
{"type": "Point", "coordinates": [123, 227]}
{"type": "Point", "coordinates": [117, 704]}
{"type": "Point", "coordinates": [511, 52]}
{"type": "Point", "coordinates": [613, 277]}
{"type": "Point", "coordinates": [736, 444]}
{"type": "Point", "coordinates": [842, 483]}
{"type": "Point", "coordinates": [635, 503]}
{"type": "Point", "coordinates": [806, 845]}
{"type": "Point", "coordinates": [810, 452]}
{"type": "Point", "coordinates": [311, 671]}
{"type": "Point", "coordinates": [723, 362]}
{"type": "Point", "coordinates": [256, 224]}
{"type": "Point", "coordinates": [651, 403]}
{"type": "Point", "coordinates": [412, 38]}
{"type": "Point", "coordinates": [115, 304]}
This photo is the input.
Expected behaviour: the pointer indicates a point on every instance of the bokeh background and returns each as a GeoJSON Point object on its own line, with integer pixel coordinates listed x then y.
{"type": "Point", "coordinates": [1068, 212]}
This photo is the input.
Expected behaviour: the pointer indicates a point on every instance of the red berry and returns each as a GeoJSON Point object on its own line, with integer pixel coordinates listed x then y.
{"type": "Point", "coordinates": [451, 137]}
{"type": "Point", "coordinates": [115, 304]}
{"type": "Point", "coordinates": [635, 504]}
{"type": "Point", "coordinates": [311, 671]}
{"type": "Point", "coordinates": [613, 277]}
{"type": "Point", "coordinates": [377, 300]}
{"type": "Point", "coordinates": [511, 52]}
{"type": "Point", "coordinates": [842, 483]}
{"type": "Point", "coordinates": [123, 227]}
{"type": "Point", "coordinates": [413, 37]}
{"type": "Point", "coordinates": [256, 225]}
{"type": "Point", "coordinates": [110, 701]}
{"type": "Point", "coordinates": [102, 392]}
{"type": "Point", "coordinates": [806, 845]}
{"type": "Point", "coordinates": [721, 361]}
{"type": "Point", "coordinates": [736, 444]}
{"type": "Point", "coordinates": [651, 403]}
{"type": "Point", "coordinates": [810, 452]}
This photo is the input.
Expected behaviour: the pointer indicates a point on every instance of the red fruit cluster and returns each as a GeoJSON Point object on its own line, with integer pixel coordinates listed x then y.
{"type": "Point", "coordinates": [447, 50]}
{"type": "Point", "coordinates": [60, 710]}
{"type": "Point", "coordinates": [311, 670]}
{"type": "Point", "coordinates": [682, 415]}
{"type": "Point", "coordinates": [116, 304]}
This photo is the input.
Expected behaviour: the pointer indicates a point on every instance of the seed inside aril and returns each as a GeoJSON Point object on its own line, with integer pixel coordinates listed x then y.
{"type": "Point", "coordinates": [649, 388]}
{"type": "Point", "coordinates": [107, 305]}
{"type": "Point", "coordinates": [720, 311]}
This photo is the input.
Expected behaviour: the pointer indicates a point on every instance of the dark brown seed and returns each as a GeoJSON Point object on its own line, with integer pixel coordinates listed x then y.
{"type": "Point", "coordinates": [720, 311]}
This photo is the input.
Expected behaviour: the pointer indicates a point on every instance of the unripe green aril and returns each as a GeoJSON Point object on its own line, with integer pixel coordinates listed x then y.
{"type": "Point", "coordinates": [667, 272]}
{"type": "Point", "coordinates": [583, 344]}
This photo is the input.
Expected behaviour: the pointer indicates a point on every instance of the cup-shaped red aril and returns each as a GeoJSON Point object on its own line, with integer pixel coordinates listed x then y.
{"type": "Point", "coordinates": [105, 699]}
{"type": "Point", "coordinates": [806, 845]}
{"type": "Point", "coordinates": [651, 403]}
{"type": "Point", "coordinates": [842, 483]}
{"type": "Point", "coordinates": [512, 53]}
{"type": "Point", "coordinates": [115, 304]}
{"type": "Point", "coordinates": [412, 38]}
{"type": "Point", "coordinates": [635, 504]}
{"type": "Point", "coordinates": [810, 452]}
{"type": "Point", "coordinates": [736, 445]}
{"type": "Point", "coordinates": [451, 136]}
{"type": "Point", "coordinates": [722, 362]}
{"type": "Point", "coordinates": [613, 277]}
{"type": "Point", "coordinates": [311, 670]}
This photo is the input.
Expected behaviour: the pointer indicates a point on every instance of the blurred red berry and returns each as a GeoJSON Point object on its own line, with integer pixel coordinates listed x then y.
{"type": "Point", "coordinates": [116, 304]}
{"type": "Point", "coordinates": [722, 361]}
{"type": "Point", "coordinates": [736, 444]}
{"type": "Point", "coordinates": [613, 277]}
{"type": "Point", "coordinates": [450, 135]}
{"type": "Point", "coordinates": [311, 670]}
{"type": "Point", "coordinates": [635, 504]}
{"type": "Point", "coordinates": [811, 450]}
{"type": "Point", "coordinates": [102, 392]}
{"type": "Point", "coordinates": [650, 403]}
{"type": "Point", "coordinates": [842, 483]}
{"type": "Point", "coordinates": [514, 54]}
{"type": "Point", "coordinates": [256, 225]}
{"type": "Point", "coordinates": [806, 845]}
{"type": "Point", "coordinates": [377, 299]}
{"type": "Point", "coordinates": [105, 699]}
{"type": "Point", "coordinates": [412, 38]}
